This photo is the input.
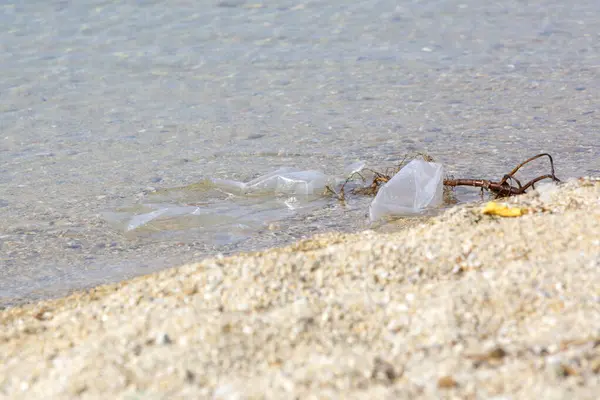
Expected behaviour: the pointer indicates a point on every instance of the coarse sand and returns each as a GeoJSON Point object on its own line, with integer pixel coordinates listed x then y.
{"type": "Point", "coordinates": [463, 305]}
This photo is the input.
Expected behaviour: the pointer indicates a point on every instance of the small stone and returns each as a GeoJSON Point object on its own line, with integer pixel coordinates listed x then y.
{"type": "Point", "coordinates": [497, 353]}
{"type": "Point", "coordinates": [383, 371]}
{"type": "Point", "coordinates": [446, 382]}
{"type": "Point", "coordinates": [189, 376]}
{"type": "Point", "coordinates": [137, 350]}
{"type": "Point", "coordinates": [494, 356]}
{"type": "Point", "coordinates": [539, 350]}
{"type": "Point", "coordinates": [595, 365]}
{"type": "Point", "coordinates": [564, 370]}
{"type": "Point", "coordinates": [163, 339]}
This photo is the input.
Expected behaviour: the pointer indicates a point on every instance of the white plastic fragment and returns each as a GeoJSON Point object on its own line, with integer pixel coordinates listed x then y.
{"type": "Point", "coordinates": [239, 214]}
{"type": "Point", "coordinates": [415, 188]}
{"type": "Point", "coordinates": [229, 184]}
{"type": "Point", "coordinates": [283, 180]}
{"type": "Point", "coordinates": [297, 182]}
{"type": "Point", "coordinates": [354, 168]}
{"type": "Point", "coordinates": [160, 212]}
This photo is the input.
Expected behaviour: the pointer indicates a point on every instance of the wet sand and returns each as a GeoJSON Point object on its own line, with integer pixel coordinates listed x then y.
{"type": "Point", "coordinates": [463, 305]}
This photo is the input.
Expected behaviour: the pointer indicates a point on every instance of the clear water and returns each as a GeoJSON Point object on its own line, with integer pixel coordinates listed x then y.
{"type": "Point", "coordinates": [101, 102]}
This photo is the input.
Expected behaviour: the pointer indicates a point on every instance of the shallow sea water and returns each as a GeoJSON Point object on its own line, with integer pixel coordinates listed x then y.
{"type": "Point", "coordinates": [108, 107]}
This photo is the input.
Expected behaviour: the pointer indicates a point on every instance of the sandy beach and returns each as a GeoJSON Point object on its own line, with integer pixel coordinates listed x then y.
{"type": "Point", "coordinates": [464, 305]}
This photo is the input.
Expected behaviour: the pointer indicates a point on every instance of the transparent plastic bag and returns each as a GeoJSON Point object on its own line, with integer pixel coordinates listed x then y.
{"type": "Point", "coordinates": [249, 206]}
{"type": "Point", "coordinates": [283, 180]}
{"type": "Point", "coordinates": [355, 167]}
{"type": "Point", "coordinates": [417, 187]}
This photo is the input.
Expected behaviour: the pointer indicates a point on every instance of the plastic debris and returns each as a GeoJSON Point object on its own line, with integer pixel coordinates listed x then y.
{"type": "Point", "coordinates": [219, 221]}
{"type": "Point", "coordinates": [166, 211]}
{"type": "Point", "coordinates": [249, 206]}
{"type": "Point", "coordinates": [354, 168]}
{"type": "Point", "coordinates": [502, 210]}
{"type": "Point", "coordinates": [283, 180]}
{"type": "Point", "coordinates": [418, 186]}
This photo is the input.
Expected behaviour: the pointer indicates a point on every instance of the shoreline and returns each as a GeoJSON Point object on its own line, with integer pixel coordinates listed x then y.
{"type": "Point", "coordinates": [463, 304]}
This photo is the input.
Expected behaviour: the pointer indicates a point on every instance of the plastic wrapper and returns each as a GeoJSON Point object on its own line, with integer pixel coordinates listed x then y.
{"type": "Point", "coordinates": [415, 189]}
{"type": "Point", "coordinates": [283, 180]}
{"type": "Point", "coordinates": [247, 207]}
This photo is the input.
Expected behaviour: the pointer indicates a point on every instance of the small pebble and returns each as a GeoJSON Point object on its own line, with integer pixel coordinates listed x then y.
{"type": "Point", "coordinates": [163, 339]}
{"type": "Point", "coordinates": [446, 382]}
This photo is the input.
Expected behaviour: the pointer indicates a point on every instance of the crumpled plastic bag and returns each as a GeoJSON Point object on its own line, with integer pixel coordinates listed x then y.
{"type": "Point", "coordinates": [417, 187]}
{"type": "Point", "coordinates": [237, 216]}
{"type": "Point", "coordinates": [284, 180]}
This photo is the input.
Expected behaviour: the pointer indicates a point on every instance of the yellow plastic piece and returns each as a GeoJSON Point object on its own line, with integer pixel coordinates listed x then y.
{"type": "Point", "coordinates": [503, 210]}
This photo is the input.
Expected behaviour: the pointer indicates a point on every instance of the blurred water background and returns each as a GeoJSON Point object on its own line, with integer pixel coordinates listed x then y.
{"type": "Point", "coordinates": [108, 108]}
